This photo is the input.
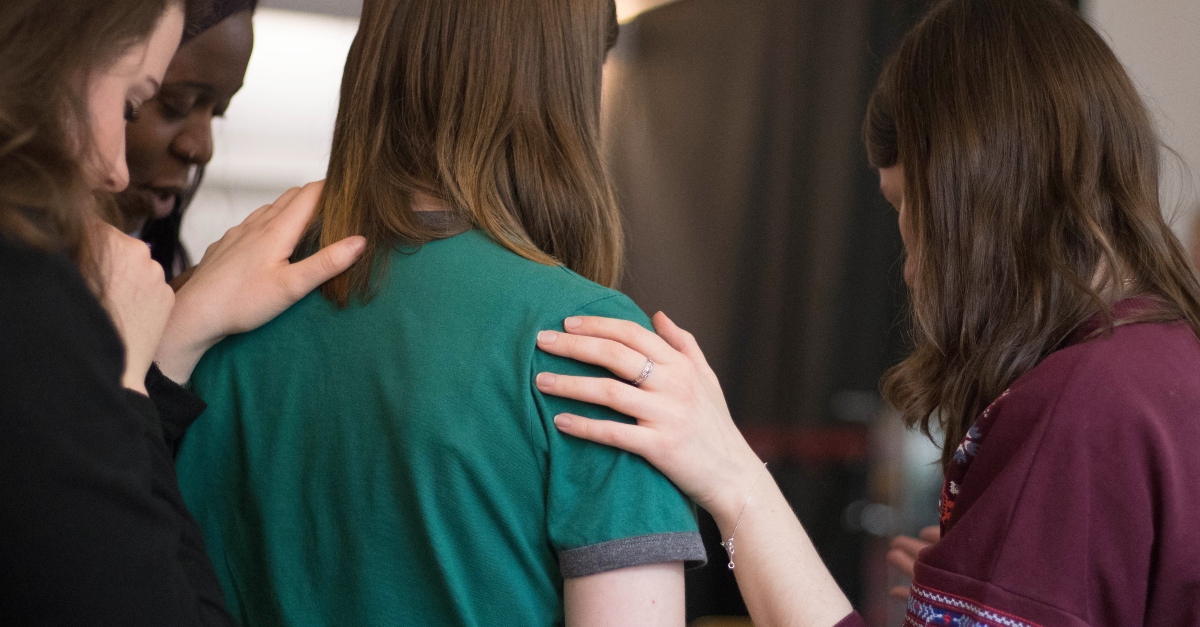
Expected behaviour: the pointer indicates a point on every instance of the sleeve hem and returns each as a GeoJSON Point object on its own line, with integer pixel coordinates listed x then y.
{"type": "Point", "coordinates": [594, 559]}
{"type": "Point", "coordinates": [177, 407]}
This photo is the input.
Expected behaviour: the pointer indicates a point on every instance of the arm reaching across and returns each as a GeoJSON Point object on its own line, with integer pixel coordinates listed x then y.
{"type": "Point", "coordinates": [247, 279]}
{"type": "Point", "coordinates": [685, 430]}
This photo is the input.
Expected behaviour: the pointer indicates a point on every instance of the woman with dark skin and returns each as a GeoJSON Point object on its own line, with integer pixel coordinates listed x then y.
{"type": "Point", "coordinates": [171, 141]}
{"type": "Point", "coordinates": [93, 529]}
{"type": "Point", "coordinates": [1055, 328]}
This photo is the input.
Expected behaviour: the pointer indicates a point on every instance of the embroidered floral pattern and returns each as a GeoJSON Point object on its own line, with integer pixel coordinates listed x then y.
{"type": "Point", "coordinates": [927, 606]}
{"type": "Point", "coordinates": [961, 461]}
{"type": "Point", "coordinates": [970, 444]}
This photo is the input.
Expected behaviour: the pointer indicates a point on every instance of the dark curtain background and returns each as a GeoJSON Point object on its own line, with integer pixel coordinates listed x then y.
{"type": "Point", "coordinates": [733, 132]}
{"type": "Point", "coordinates": [755, 222]}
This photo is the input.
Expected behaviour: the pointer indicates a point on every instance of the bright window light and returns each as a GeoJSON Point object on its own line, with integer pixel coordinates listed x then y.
{"type": "Point", "coordinates": [278, 130]}
{"type": "Point", "coordinates": [629, 9]}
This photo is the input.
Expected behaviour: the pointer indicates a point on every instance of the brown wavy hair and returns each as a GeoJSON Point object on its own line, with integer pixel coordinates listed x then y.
{"type": "Point", "coordinates": [492, 106]}
{"type": "Point", "coordinates": [50, 48]}
{"type": "Point", "coordinates": [1031, 172]}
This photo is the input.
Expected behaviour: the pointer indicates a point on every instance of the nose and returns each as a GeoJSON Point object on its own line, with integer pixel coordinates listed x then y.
{"type": "Point", "coordinates": [194, 143]}
{"type": "Point", "coordinates": [116, 179]}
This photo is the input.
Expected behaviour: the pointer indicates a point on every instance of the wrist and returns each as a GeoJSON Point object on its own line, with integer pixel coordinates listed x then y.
{"type": "Point", "coordinates": [185, 340]}
{"type": "Point", "coordinates": [133, 383]}
{"type": "Point", "coordinates": [742, 484]}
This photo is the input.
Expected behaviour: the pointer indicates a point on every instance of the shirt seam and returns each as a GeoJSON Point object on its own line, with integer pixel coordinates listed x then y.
{"type": "Point", "coordinates": [533, 418]}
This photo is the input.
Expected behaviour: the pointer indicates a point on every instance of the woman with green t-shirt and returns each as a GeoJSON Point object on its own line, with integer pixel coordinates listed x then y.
{"type": "Point", "coordinates": [380, 453]}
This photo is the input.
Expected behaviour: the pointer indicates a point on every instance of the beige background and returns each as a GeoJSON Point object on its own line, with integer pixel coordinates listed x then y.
{"type": "Point", "coordinates": [1157, 41]}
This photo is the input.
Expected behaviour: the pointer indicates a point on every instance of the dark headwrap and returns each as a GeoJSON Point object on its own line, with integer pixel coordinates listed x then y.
{"type": "Point", "coordinates": [217, 11]}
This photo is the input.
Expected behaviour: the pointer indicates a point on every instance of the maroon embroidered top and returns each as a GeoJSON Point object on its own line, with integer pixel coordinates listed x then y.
{"type": "Point", "coordinates": [1075, 499]}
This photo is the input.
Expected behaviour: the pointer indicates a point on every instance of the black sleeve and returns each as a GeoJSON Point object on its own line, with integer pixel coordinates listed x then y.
{"type": "Point", "coordinates": [177, 407]}
{"type": "Point", "coordinates": [93, 530]}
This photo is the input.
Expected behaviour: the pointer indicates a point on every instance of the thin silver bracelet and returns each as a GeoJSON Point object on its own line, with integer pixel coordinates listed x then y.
{"type": "Point", "coordinates": [728, 544]}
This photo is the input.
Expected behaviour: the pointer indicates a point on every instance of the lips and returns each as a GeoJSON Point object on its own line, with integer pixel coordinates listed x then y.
{"type": "Point", "coordinates": [161, 199]}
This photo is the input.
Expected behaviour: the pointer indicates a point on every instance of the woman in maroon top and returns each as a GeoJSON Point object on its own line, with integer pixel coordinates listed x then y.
{"type": "Point", "coordinates": [1055, 322]}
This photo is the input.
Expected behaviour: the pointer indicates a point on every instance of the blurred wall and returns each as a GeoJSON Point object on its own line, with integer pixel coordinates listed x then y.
{"type": "Point", "coordinates": [733, 135]}
{"type": "Point", "coordinates": [342, 8]}
{"type": "Point", "coordinates": [1157, 40]}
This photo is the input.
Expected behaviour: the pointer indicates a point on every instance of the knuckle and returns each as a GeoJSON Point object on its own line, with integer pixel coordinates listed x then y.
{"type": "Point", "coordinates": [294, 287]}
{"type": "Point", "coordinates": [568, 342]}
{"type": "Point", "coordinates": [610, 390]}
{"type": "Point", "coordinates": [620, 437]}
{"type": "Point", "coordinates": [328, 266]}
{"type": "Point", "coordinates": [156, 273]}
{"type": "Point", "coordinates": [624, 329]}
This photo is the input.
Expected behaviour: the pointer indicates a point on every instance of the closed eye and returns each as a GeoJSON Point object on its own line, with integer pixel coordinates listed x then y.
{"type": "Point", "coordinates": [132, 112]}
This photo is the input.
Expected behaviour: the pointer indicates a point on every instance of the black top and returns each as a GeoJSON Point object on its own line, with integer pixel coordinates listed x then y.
{"type": "Point", "coordinates": [92, 526]}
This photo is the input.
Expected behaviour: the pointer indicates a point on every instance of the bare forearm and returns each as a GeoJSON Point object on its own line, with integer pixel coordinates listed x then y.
{"type": "Point", "coordinates": [782, 579]}
{"type": "Point", "coordinates": [685, 430]}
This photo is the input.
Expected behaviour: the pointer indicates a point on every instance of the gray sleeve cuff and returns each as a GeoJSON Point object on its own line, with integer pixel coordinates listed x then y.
{"type": "Point", "coordinates": [637, 551]}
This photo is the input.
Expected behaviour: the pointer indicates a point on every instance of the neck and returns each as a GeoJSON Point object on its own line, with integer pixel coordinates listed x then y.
{"type": "Point", "coordinates": [422, 202]}
{"type": "Point", "coordinates": [1114, 286]}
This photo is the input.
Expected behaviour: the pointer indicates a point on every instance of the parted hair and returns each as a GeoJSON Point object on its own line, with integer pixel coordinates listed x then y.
{"type": "Point", "coordinates": [49, 49]}
{"type": "Point", "coordinates": [1031, 172]}
{"type": "Point", "coordinates": [491, 106]}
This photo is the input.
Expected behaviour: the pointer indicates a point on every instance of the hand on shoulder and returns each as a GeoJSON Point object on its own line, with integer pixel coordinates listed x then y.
{"type": "Point", "coordinates": [684, 427]}
{"type": "Point", "coordinates": [246, 279]}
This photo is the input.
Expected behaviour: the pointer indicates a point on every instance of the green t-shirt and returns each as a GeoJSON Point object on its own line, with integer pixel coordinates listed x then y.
{"type": "Point", "coordinates": [394, 464]}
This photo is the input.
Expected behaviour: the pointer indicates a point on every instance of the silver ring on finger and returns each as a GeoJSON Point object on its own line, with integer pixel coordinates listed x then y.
{"type": "Point", "coordinates": [646, 372]}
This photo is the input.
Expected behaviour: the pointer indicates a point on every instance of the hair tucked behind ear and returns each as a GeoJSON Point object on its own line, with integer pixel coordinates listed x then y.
{"type": "Point", "coordinates": [492, 106]}
{"type": "Point", "coordinates": [1031, 189]}
{"type": "Point", "coordinates": [50, 48]}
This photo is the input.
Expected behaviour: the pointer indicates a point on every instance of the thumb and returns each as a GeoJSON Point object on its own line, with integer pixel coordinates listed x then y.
{"type": "Point", "coordinates": [305, 276]}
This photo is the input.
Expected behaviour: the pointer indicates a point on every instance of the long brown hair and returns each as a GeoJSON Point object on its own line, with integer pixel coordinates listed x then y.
{"type": "Point", "coordinates": [492, 106]}
{"type": "Point", "coordinates": [1032, 198]}
{"type": "Point", "coordinates": [50, 48]}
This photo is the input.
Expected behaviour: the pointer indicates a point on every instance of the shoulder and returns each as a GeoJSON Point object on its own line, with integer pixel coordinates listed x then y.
{"type": "Point", "coordinates": [475, 265]}
{"type": "Point", "coordinates": [1112, 406]}
{"type": "Point", "coordinates": [1085, 470]}
{"type": "Point", "coordinates": [1116, 412]}
{"type": "Point", "coordinates": [1138, 376]}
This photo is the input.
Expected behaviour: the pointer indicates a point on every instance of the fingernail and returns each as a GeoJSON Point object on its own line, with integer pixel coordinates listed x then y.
{"type": "Point", "coordinates": [547, 337]}
{"type": "Point", "coordinates": [562, 421]}
{"type": "Point", "coordinates": [358, 245]}
{"type": "Point", "coordinates": [572, 323]}
{"type": "Point", "coordinates": [545, 380]}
